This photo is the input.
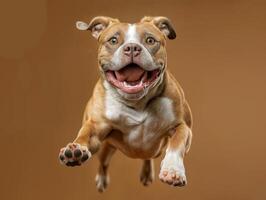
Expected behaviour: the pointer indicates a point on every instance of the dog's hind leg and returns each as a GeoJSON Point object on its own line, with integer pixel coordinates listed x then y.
{"type": "Point", "coordinates": [147, 172]}
{"type": "Point", "coordinates": [105, 155]}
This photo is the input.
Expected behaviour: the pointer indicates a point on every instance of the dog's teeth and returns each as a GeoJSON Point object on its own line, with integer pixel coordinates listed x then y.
{"type": "Point", "coordinates": [144, 77]}
{"type": "Point", "coordinates": [126, 84]}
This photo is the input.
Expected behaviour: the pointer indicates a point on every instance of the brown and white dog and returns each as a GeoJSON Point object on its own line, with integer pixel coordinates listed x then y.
{"type": "Point", "coordinates": [137, 106]}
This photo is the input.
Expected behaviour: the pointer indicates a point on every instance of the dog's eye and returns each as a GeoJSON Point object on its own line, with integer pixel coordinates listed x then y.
{"type": "Point", "coordinates": [113, 40]}
{"type": "Point", "coordinates": [150, 40]}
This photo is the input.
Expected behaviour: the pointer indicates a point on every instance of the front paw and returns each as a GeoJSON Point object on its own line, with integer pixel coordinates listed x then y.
{"type": "Point", "coordinates": [173, 177]}
{"type": "Point", "coordinates": [74, 154]}
{"type": "Point", "coordinates": [173, 170]}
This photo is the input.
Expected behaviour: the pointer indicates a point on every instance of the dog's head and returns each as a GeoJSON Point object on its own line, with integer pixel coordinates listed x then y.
{"type": "Point", "coordinates": [132, 57]}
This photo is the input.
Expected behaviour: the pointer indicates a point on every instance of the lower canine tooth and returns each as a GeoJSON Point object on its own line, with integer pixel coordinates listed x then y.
{"type": "Point", "coordinates": [125, 84]}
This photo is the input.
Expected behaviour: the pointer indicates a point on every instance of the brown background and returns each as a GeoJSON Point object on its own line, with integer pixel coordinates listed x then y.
{"type": "Point", "coordinates": [48, 70]}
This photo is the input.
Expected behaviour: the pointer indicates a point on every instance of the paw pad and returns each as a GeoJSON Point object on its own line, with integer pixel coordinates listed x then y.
{"type": "Point", "coordinates": [74, 154]}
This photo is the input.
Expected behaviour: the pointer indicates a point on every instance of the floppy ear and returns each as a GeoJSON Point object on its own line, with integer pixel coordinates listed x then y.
{"type": "Point", "coordinates": [163, 24]}
{"type": "Point", "coordinates": [97, 25]}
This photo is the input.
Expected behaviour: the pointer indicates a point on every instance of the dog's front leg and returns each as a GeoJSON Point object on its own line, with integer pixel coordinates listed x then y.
{"type": "Point", "coordinates": [172, 166]}
{"type": "Point", "coordinates": [82, 148]}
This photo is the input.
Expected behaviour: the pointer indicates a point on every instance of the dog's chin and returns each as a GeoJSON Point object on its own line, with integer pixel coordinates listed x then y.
{"type": "Point", "coordinates": [134, 96]}
{"type": "Point", "coordinates": [132, 81]}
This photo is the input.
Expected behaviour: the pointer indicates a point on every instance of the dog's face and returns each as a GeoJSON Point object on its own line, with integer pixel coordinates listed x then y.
{"type": "Point", "coordinates": [132, 57]}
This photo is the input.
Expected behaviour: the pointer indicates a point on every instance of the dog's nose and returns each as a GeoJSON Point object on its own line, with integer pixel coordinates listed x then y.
{"type": "Point", "coordinates": [132, 49]}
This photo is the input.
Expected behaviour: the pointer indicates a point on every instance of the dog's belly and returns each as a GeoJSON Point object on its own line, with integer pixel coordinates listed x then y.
{"type": "Point", "coordinates": [137, 144]}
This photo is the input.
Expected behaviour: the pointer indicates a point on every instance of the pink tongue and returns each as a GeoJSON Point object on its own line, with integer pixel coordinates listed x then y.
{"type": "Point", "coordinates": [129, 73]}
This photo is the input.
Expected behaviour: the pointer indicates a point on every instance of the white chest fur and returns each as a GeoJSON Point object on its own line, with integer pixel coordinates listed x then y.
{"type": "Point", "coordinates": [140, 128]}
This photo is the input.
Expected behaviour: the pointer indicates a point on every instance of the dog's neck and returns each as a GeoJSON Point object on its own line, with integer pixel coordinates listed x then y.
{"type": "Point", "coordinates": [142, 103]}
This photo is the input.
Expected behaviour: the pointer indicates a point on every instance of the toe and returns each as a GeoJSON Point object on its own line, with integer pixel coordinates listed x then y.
{"type": "Point", "coordinates": [84, 157]}
{"type": "Point", "coordinates": [147, 182]}
{"type": "Point", "coordinates": [77, 153]}
{"type": "Point", "coordinates": [165, 173]}
{"type": "Point", "coordinates": [72, 164]}
{"type": "Point", "coordinates": [173, 178]}
{"type": "Point", "coordinates": [68, 153]}
{"type": "Point", "coordinates": [180, 181]}
{"type": "Point", "coordinates": [61, 157]}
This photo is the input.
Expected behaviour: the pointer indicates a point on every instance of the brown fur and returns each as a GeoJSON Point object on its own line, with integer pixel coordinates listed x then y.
{"type": "Point", "coordinates": [97, 129]}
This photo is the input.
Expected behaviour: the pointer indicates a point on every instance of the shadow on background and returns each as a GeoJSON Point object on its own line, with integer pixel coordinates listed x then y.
{"type": "Point", "coordinates": [48, 70]}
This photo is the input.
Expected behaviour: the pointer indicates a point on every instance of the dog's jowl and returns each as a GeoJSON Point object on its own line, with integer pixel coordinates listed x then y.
{"type": "Point", "coordinates": [137, 106]}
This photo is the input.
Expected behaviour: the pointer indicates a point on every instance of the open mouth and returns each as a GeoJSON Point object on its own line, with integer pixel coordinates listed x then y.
{"type": "Point", "coordinates": [132, 78]}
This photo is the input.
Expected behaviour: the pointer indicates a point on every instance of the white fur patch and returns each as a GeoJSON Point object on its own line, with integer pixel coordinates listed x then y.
{"type": "Point", "coordinates": [132, 35]}
{"type": "Point", "coordinates": [140, 128]}
{"type": "Point", "coordinates": [173, 160]}
{"type": "Point", "coordinates": [116, 111]}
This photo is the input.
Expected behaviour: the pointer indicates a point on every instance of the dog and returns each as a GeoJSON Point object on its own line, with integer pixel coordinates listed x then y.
{"type": "Point", "coordinates": [137, 106]}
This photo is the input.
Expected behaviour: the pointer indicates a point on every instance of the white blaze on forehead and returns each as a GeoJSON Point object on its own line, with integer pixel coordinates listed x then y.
{"type": "Point", "coordinates": [132, 34]}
